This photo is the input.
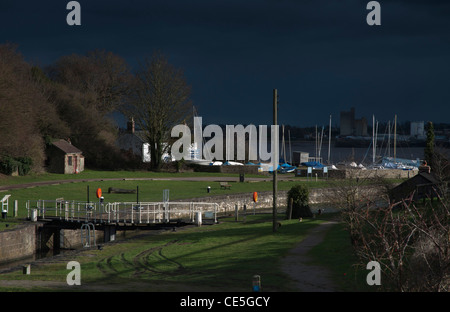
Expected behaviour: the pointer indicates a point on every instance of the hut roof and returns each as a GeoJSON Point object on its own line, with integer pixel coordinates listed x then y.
{"type": "Point", "coordinates": [66, 147]}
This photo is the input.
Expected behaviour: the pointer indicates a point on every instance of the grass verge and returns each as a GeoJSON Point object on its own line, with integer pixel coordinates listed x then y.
{"type": "Point", "coordinates": [336, 254]}
{"type": "Point", "coordinates": [149, 191]}
{"type": "Point", "coordinates": [222, 257]}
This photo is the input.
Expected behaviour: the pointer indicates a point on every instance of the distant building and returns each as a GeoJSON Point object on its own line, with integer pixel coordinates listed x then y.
{"type": "Point", "coordinates": [418, 129]}
{"type": "Point", "coordinates": [361, 127]}
{"type": "Point", "coordinates": [133, 142]}
{"type": "Point", "coordinates": [299, 157]}
{"type": "Point", "coordinates": [347, 122]}
{"type": "Point", "coordinates": [351, 126]}
{"type": "Point", "coordinates": [63, 157]}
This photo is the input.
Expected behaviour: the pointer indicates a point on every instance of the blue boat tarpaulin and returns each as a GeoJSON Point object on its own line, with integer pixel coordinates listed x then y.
{"type": "Point", "coordinates": [314, 164]}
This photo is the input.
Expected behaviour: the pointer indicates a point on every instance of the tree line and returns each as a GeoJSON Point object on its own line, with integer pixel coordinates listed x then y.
{"type": "Point", "coordinates": [75, 97]}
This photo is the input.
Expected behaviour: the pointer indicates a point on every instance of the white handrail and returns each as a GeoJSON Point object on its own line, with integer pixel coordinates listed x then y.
{"type": "Point", "coordinates": [114, 212]}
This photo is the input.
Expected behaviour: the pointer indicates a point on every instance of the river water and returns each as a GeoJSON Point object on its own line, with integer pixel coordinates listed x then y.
{"type": "Point", "coordinates": [348, 154]}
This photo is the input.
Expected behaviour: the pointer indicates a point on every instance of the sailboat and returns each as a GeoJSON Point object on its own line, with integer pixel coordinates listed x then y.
{"type": "Point", "coordinates": [399, 163]}
{"type": "Point", "coordinates": [388, 162]}
{"type": "Point", "coordinates": [284, 167]}
{"type": "Point", "coordinates": [194, 150]}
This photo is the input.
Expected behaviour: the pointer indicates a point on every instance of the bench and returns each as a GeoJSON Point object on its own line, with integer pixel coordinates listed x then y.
{"type": "Point", "coordinates": [120, 191]}
{"type": "Point", "coordinates": [225, 185]}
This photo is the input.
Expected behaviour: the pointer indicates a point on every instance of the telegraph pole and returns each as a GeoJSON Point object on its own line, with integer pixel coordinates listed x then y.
{"type": "Point", "coordinates": [275, 166]}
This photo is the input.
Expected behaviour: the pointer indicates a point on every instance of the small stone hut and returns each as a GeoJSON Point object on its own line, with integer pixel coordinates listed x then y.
{"type": "Point", "coordinates": [63, 157]}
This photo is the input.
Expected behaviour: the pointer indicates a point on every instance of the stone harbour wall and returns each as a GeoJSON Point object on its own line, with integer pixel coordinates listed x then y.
{"type": "Point", "coordinates": [227, 203]}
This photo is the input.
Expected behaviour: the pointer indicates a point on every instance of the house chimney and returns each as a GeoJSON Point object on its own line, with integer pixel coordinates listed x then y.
{"type": "Point", "coordinates": [130, 125]}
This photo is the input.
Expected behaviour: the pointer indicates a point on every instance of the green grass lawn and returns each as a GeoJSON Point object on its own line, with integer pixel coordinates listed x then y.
{"type": "Point", "coordinates": [98, 174]}
{"type": "Point", "coordinates": [222, 257]}
{"type": "Point", "coordinates": [149, 190]}
{"type": "Point", "coordinates": [88, 174]}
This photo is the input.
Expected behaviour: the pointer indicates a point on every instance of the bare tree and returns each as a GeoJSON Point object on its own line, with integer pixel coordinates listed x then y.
{"type": "Point", "coordinates": [160, 100]}
{"type": "Point", "coordinates": [409, 240]}
{"type": "Point", "coordinates": [411, 243]}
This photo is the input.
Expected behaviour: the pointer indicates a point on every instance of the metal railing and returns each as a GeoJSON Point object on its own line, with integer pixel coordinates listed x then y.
{"type": "Point", "coordinates": [118, 212]}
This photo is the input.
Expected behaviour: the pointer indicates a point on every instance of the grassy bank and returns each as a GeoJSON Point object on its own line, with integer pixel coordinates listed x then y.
{"type": "Point", "coordinates": [149, 190]}
{"type": "Point", "coordinates": [228, 254]}
{"type": "Point", "coordinates": [222, 257]}
{"type": "Point", "coordinates": [96, 174]}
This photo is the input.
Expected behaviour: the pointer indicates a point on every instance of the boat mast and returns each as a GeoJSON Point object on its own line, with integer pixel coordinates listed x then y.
{"type": "Point", "coordinates": [316, 145]}
{"type": "Point", "coordinates": [373, 139]}
{"type": "Point", "coordinates": [395, 137]}
{"type": "Point", "coordinates": [320, 145]}
{"type": "Point", "coordinates": [329, 141]}
{"type": "Point", "coordinates": [376, 140]}
{"type": "Point", "coordinates": [290, 149]}
{"type": "Point", "coordinates": [283, 148]}
{"type": "Point", "coordinates": [389, 138]}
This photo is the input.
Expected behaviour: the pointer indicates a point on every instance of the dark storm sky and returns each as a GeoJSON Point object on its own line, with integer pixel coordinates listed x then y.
{"type": "Point", "coordinates": [320, 54]}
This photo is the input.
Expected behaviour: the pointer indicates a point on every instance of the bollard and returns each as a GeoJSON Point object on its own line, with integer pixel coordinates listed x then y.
{"type": "Point", "coordinates": [208, 189]}
{"type": "Point", "coordinates": [34, 215]}
{"type": "Point", "coordinates": [16, 208]}
{"type": "Point", "coordinates": [291, 204]}
{"type": "Point", "coordinates": [198, 218]}
{"type": "Point", "coordinates": [256, 285]}
{"type": "Point", "coordinates": [27, 269]}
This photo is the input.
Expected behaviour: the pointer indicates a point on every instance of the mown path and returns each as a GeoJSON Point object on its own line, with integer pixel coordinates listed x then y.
{"type": "Point", "coordinates": [296, 264]}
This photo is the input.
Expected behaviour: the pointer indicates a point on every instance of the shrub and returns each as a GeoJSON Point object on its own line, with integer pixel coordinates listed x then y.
{"type": "Point", "coordinates": [25, 164]}
{"type": "Point", "coordinates": [9, 165]}
{"type": "Point", "coordinates": [300, 202]}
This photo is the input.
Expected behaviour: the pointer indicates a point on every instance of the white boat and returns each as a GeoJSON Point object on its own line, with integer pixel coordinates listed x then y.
{"type": "Point", "coordinates": [232, 163]}
{"type": "Point", "coordinates": [202, 162]}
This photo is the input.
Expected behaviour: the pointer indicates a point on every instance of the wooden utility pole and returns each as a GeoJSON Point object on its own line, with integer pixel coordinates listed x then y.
{"type": "Point", "coordinates": [275, 166]}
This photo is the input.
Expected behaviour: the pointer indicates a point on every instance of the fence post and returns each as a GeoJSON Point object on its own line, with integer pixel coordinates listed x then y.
{"type": "Point", "coordinates": [291, 202]}
{"type": "Point", "coordinates": [16, 208]}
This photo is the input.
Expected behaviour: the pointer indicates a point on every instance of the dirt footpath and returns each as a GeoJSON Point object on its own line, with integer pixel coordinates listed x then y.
{"type": "Point", "coordinates": [307, 277]}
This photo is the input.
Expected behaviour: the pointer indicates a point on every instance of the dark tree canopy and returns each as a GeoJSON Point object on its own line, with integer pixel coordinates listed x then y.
{"type": "Point", "coordinates": [69, 100]}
